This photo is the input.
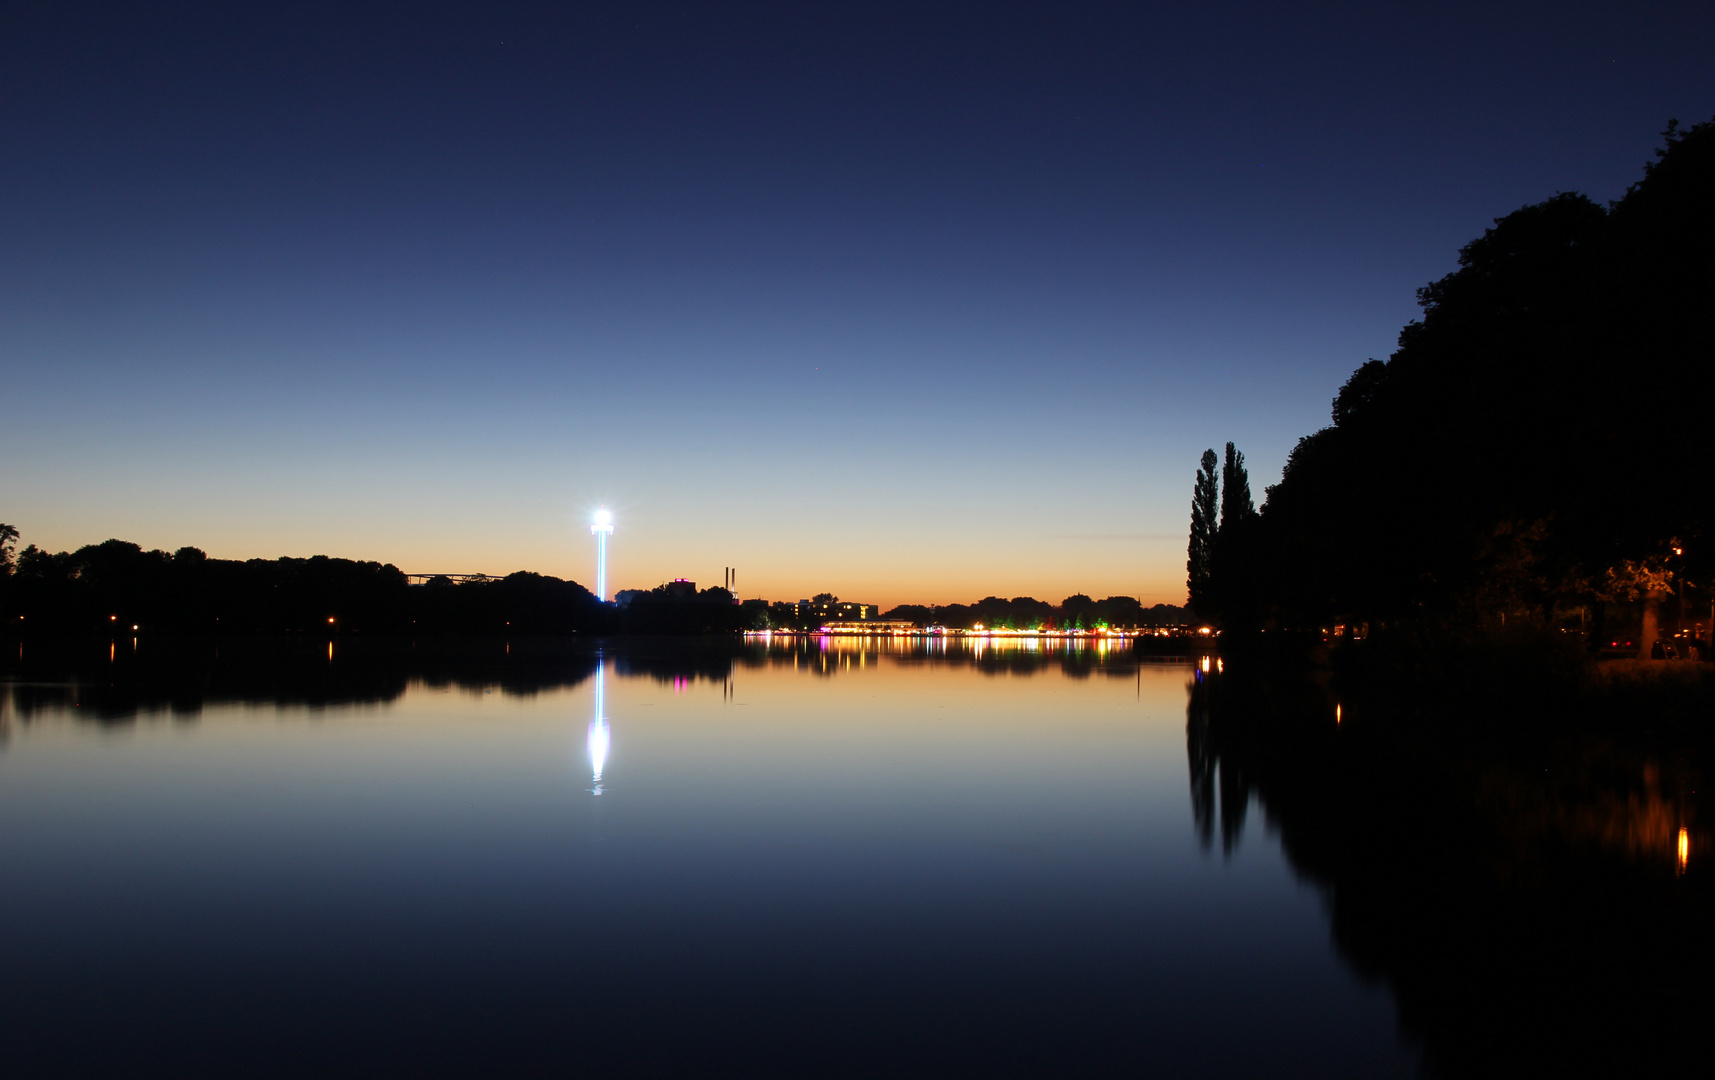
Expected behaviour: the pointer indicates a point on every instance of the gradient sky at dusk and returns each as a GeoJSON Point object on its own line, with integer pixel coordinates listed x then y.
{"type": "Point", "coordinates": [905, 305]}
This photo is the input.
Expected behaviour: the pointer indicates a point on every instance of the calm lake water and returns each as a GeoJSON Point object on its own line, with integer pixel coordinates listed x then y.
{"type": "Point", "coordinates": [804, 858]}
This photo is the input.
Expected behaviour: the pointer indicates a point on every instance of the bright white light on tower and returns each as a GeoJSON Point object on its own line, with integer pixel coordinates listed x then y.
{"type": "Point", "coordinates": [602, 528]}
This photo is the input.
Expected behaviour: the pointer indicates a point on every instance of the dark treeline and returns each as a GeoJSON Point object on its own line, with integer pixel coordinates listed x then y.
{"type": "Point", "coordinates": [1505, 833]}
{"type": "Point", "coordinates": [116, 585]}
{"type": "Point", "coordinates": [1077, 612]}
{"type": "Point", "coordinates": [1533, 451]}
{"type": "Point", "coordinates": [666, 609]}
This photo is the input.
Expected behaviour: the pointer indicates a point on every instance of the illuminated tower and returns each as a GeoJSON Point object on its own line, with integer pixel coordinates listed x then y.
{"type": "Point", "coordinates": [602, 528]}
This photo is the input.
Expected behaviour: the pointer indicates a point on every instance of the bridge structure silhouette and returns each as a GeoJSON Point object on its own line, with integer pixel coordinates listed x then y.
{"type": "Point", "coordinates": [424, 579]}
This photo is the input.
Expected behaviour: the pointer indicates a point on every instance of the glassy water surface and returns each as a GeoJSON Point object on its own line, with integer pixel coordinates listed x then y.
{"type": "Point", "coordinates": [804, 857]}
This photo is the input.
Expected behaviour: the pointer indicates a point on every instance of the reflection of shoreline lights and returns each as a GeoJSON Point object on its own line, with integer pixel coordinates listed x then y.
{"type": "Point", "coordinates": [1100, 634]}
{"type": "Point", "coordinates": [828, 654]}
{"type": "Point", "coordinates": [1684, 848]}
{"type": "Point", "coordinates": [602, 528]}
{"type": "Point", "coordinates": [805, 645]}
{"type": "Point", "coordinates": [599, 735]}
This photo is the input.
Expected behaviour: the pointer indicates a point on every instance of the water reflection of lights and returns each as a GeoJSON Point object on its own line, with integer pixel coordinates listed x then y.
{"type": "Point", "coordinates": [1099, 636]}
{"type": "Point", "coordinates": [1684, 849]}
{"type": "Point", "coordinates": [836, 654]}
{"type": "Point", "coordinates": [1205, 665]}
{"type": "Point", "coordinates": [599, 734]}
{"type": "Point", "coordinates": [1336, 712]}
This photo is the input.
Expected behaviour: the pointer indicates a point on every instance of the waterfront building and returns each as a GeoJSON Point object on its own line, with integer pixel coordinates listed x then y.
{"type": "Point", "coordinates": [822, 611]}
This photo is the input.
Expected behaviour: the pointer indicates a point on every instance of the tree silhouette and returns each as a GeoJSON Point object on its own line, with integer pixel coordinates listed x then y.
{"type": "Point", "coordinates": [1205, 505]}
{"type": "Point", "coordinates": [1486, 471]}
{"type": "Point", "coordinates": [1236, 504]}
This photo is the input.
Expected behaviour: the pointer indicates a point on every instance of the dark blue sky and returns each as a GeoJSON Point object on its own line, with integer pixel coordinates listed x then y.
{"type": "Point", "coordinates": [921, 302]}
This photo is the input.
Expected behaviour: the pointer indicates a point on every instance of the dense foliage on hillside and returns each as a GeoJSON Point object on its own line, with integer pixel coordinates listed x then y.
{"type": "Point", "coordinates": [1536, 443]}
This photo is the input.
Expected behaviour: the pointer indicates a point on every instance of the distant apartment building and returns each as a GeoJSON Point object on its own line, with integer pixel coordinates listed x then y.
{"type": "Point", "coordinates": [835, 611]}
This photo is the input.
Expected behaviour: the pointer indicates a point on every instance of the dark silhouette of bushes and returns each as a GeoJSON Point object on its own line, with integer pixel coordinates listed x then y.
{"type": "Point", "coordinates": [520, 603]}
{"type": "Point", "coordinates": [117, 585]}
{"type": "Point", "coordinates": [666, 610]}
{"type": "Point", "coordinates": [1519, 454]}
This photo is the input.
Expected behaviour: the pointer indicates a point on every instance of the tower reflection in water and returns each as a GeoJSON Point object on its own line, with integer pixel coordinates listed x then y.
{"type": "Point", "coordinates": [598, 737]}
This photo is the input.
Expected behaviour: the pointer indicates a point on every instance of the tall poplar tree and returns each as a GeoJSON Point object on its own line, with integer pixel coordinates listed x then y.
{"type": "Point", "coordinates": [1236, 503]}
{"type": "Point", "coordinates": [1205, 505]}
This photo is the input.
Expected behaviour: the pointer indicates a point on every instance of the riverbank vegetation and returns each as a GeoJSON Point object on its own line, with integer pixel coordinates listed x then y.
{"type": "Point", "coordinates": [1512, 836]}
{"type": "Point", "coordinates": [1523, 456]}
{"type": "Point", "coordinates": [117, 585]}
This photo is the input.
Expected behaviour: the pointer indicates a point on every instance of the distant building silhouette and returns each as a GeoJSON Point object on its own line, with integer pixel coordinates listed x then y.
{"type": "Point", "coordinates": [822, 611]}
{"type": "Point", "coordinates": [677, 589]}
